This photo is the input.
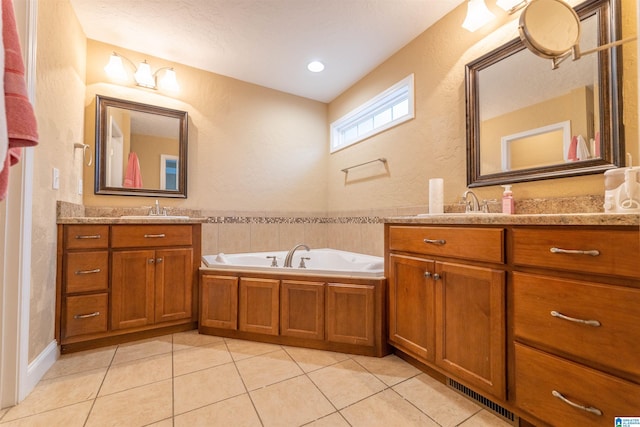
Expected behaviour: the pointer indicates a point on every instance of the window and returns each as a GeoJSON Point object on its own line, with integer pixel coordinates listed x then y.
{"type": "Point", "coordinates": [388, 109]}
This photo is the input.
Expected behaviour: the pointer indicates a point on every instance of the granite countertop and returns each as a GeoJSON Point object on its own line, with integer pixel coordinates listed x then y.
{"type": "Point", "coordinates": [119, 220]}
{"type": "Point", "coordinates": [526, 219]}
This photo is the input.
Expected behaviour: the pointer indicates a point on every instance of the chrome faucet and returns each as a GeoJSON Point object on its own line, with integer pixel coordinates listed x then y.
{"type": "Point", "coordinates": [155, 211]}
{"type": "Point", "coordinates": [289, 257]}
{"type": "Point", "coordinates": [473, 205]}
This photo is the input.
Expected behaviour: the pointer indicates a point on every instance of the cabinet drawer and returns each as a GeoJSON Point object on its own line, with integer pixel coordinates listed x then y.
{"type": "Point", "coordinates": [86, 236]}
{"type": "Point", "coordinates": [87, 271]}
{"type": "Point", "coordinates": [618, 333]}
{"type": "Point", "coordinates": [130, 236]}
{"type": "Point", "coordinates": [480, 244]}
{"type": "Point", "coordinates": [539, 374]}
{"type": "Point", "coordinates": [617, 251]}
{"type": "Point", "coordinates": [86, 314]}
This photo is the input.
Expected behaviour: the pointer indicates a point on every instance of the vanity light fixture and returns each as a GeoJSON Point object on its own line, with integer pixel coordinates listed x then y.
{"type": "Point", "coordinates": [142, 75]}
{"type": "Point", "coordinates": [315, 66]}
{"type": "Point", "coordinates": [477, 15]}
{"type": "Point", "coordinates": [511, 6]}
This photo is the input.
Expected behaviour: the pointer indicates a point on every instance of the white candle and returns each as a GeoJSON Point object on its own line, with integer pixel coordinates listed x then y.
{"type": "Point", "coordinates": [436, 196]}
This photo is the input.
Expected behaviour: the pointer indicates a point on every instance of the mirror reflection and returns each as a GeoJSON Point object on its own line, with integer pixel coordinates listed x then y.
{"type": "Point", "coordinates": [141, 149]}
{"type": "Point", "coordinates": [529, 121]}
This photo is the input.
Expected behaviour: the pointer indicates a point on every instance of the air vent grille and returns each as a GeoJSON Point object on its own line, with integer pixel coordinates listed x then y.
{"type": "Point", "coordinates": [496, 409]}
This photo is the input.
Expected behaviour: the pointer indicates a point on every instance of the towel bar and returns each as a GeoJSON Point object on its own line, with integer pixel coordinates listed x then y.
{"type": "Point", "coordinates": [381, 159]}
{"type": "Point", "coordinates": [84, 152]}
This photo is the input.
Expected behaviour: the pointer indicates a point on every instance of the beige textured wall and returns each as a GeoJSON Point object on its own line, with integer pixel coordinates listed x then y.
{"type": "Point", "coordinates": [59, 99]}
{"type": "Point", "coordinates": [250, 148]}
{"type": "Point", "coordinates": [434, 143]}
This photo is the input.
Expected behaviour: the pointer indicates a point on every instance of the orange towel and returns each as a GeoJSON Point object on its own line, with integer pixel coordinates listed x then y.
{"type": "Point", "coordinates": [133, 176]}
{"type": "Point", "coordinates": [21, 121]}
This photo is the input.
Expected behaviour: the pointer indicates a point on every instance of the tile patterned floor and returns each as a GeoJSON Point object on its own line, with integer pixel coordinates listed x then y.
{"type": "Point", "coordinates": [189, 380]}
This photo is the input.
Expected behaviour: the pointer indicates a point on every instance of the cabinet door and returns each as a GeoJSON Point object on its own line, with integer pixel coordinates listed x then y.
{"type": "Point", "coordinates": [470, 325]}
{"type": "Point", "coordinates": [302, 309]}
{"type": "Point", "coordinates": [132, 288]}
{"type": "Point", "coordinates": [259, 305]}
{"type": "Point", "coordinates": [351, 313]}
{"type": "Point", "coordinates": [219, 301]}
{"type": "Point", "coordinates": [411, 305]}
{"type": "Point", "coordinates": [174, 284]}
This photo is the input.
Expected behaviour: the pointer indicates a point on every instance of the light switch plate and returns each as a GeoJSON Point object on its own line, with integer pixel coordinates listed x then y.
{"type": "Point", "coordinates": [56, 179]}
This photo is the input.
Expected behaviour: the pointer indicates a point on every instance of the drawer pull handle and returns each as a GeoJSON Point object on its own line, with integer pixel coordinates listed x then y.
{"type": "Point", "coordinates": [86, 316]}
{"type": "Point", "coordinates": [88, 236]}
{"type": "Point", "coordinates": [95, 270]}
{"type": "Point", "coordinates": [590, 409]}
{"type": "Point", "coordinates": [573, 251]}
{"type": "Point", "coordinates": [154, 236]}
{"type": "Point", "coordinates": [573, 319]}
{"type": "Point", "coordinates": [435, 241]}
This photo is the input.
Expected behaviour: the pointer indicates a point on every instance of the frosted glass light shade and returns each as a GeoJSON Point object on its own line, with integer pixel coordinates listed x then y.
{"type": "Point", "coordinates": [144, 77]}
{"type": "Point", "coordinates": [169, 80]}
{"type": "Point", "coordinates": [114, 68]}
{"type": "Point", "coordinates": [477, 15]}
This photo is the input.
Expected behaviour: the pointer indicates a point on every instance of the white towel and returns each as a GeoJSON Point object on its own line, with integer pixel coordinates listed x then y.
{"type": "Point", "coordinates": [582, 152]}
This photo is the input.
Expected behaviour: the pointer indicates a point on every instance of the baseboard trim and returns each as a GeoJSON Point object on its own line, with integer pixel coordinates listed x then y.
{"type": "Point", "coordinates": [39, 367]}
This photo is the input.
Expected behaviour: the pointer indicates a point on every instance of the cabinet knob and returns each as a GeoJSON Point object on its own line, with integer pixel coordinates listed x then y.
{"type": "Point", "coordinates": [436, 276]}
{"type": "Point", "coordinates": [158, 260]}
{"type": "Point", "coordinates": [427, 274]}
{"type": "Point", "coordinates": [151, 261]}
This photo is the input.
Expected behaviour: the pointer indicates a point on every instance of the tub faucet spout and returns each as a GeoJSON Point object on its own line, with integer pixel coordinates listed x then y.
{"type": "Point", "coordinates": [289, 257]}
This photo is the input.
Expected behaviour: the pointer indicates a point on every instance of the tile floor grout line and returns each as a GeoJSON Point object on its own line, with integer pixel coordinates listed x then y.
{"type": "Point", "coordinates": [173, 382]}
{"type": "Point", "coordinates": [414, 405]}
{"type": "Point", "coordinates": [244, 384]}
{"type": "Point", "coordinates": [86, 420]}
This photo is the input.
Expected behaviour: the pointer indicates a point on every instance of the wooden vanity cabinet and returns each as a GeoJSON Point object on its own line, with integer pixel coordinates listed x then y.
{"type": "Point", "coordinates": [447, 301]}
{"type": "Point", "coordinates": [576, 332]}
{"type": "Point", "coordinates": [118, 279]}
{"type": "Point", "coordinates": [295, 310]}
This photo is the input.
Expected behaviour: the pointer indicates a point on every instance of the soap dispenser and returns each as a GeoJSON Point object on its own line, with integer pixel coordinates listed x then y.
{"type": "Point", "coordinates": [507, 200]}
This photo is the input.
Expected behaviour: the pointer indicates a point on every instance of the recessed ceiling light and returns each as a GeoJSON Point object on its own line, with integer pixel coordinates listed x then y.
{"type": "Point", "coordinates": [315, 66]}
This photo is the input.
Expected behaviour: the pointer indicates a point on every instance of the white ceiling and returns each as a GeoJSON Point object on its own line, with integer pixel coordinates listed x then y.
{"type": "Point", "coordinates": [266, 42]}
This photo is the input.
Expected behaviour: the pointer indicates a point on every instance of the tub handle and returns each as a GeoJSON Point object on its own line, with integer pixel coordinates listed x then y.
{"type": "Point", "coordinates": [274, 261]}
{"type": "Point", "coordinates": [302, 264]}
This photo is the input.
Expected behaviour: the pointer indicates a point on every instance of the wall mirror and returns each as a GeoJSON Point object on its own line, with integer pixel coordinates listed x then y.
{"type": "Point", "coordinates": [141, 150]}
{"type": "Point", "coordinates": [527, 121]}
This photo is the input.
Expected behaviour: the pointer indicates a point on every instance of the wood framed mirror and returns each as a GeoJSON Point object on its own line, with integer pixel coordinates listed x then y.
{"type": "Point", "coordinates": [141, 150]}
{"type": "Point", "coordinates": [513, 97]}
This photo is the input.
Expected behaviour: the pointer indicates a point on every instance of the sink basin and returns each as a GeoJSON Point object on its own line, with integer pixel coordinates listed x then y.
{"type": "Point", "coordinates": [155, 217]}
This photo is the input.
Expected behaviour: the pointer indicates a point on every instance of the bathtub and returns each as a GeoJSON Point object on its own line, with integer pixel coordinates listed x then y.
{"type": "Point", "coordinates": [321, 262]}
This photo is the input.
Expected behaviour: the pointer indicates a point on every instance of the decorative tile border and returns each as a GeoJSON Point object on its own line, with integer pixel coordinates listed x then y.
{"type": "Point", "coordinates": [292, 220]}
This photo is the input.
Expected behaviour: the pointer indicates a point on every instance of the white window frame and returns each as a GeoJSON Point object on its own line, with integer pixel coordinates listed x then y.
{"type": "Point", "coordinates": [395, 95]}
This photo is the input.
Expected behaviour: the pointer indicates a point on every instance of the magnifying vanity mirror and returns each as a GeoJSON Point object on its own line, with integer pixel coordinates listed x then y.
{"type": "Point", "coordinates": [527, 121]}
{"type": "Point", "coordinates": [141, 150]}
